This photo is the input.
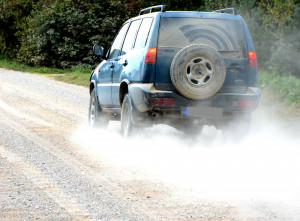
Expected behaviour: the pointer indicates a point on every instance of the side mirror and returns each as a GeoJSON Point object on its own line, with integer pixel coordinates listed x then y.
{"type": "Point", "coordinates": [98, 50]}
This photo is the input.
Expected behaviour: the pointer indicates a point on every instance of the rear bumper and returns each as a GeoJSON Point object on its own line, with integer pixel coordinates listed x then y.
{"type": "Point", "coordinates": [141, 95]}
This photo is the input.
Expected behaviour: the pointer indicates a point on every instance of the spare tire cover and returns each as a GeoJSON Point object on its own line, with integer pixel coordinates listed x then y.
{"type": "Point", "coordinates": [198, 71]}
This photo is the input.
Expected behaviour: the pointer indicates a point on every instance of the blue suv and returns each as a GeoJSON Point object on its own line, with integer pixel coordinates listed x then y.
{"type": "Point", "coordinates": [185, 69]}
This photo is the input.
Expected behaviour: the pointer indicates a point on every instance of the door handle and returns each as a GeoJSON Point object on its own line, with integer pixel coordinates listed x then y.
{"type": "Point", "coordinates": [112, 66]}
{"type": "Point", "coordinates": [124, 63]}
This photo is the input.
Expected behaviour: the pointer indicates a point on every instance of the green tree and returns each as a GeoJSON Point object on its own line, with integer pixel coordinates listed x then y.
{"type": "Point", "coordinates": [62, 35]}
{"type": "Point", "coordinates": [276, 13]}
{"type": "Point", "coordinates": [13, 14]}
{"type": "Point", "coordinates": [219, 4]}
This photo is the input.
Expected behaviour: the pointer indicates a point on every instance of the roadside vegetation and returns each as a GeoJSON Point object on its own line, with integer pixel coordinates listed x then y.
{"type": "Point", "coordinates": [285, 87]}
{"type": "Point", "coordinates": [55, 37]}
{"type": "Point", "coordinates": [76, 75]}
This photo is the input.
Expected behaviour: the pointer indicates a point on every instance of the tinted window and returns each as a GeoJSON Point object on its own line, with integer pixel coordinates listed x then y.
{"type": "Point", "coordinates": [116, 46]}
{"type": "Point", "coordinates": [226, 36]}
{"type": "Point", "coordinates": [130, 36]}
{"type": "Point", "coordinates": [142, 36]}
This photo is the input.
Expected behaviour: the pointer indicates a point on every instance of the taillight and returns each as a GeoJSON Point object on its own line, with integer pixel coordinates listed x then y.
{"type": "Point", "coordinates": [252, 59]}
{"type": "Point", "coordinates": [163, 101]}
{"type": "Point", "coordinates": [150, 57]}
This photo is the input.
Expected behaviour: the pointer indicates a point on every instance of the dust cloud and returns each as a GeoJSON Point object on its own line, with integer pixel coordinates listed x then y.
{"type": "Point", "coordinates": [264, 166]}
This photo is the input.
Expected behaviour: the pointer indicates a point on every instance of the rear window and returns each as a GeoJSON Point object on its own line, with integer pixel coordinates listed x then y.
{"type": "Point", "coordinates": [226, 36]}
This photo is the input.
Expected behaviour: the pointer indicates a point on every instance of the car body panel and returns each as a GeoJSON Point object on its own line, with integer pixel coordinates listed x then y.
{"type": "Point", "coordinates": [103, 83]}
{"type": "Point", "coordinates": [140, 90]}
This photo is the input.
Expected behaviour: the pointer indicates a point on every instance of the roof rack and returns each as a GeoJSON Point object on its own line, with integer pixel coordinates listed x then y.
{"type": "Point", "coordinates": [151, 9]}
{"type": "Point", "coordinates": [227, 10]}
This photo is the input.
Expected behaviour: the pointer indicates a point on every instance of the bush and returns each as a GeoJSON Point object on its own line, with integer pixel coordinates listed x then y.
{"type": "Point", "coordinates": [62, 35]}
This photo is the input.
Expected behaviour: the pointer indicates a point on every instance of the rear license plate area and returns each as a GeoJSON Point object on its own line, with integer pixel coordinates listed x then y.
{"type": "Point", "coordinates": [208, 112]}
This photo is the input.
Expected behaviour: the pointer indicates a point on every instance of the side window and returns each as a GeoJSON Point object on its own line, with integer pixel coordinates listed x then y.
{"type": "Point", "coordinates": [142, 36]}
{"type": "Point", "coordinates": [116, 46]}
{"type": "Point", "coordinates": [130, 36]}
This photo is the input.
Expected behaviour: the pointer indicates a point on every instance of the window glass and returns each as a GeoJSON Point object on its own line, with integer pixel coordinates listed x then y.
{"type": "Point", "coordinates": [130, 36]}
{"type": "Point", "coordinates": [226, 36]}
{"type": "Point", "coordinates": [116, 46]}
{"type": "Point", "coordinates": [142, 36]}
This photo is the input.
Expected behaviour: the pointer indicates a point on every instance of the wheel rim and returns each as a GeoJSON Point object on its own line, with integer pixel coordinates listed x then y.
{"type": "Point", "coordinates": [199, 72]}
{"type": "Point", "coordinates": [92, 112]}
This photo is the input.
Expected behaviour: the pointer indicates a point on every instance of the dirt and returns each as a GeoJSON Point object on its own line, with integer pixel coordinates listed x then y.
{"type": "Point", "coordinates": [46, 175]}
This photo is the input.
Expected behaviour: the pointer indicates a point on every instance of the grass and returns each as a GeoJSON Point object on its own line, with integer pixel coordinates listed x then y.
{"type": "Point", "coordinates": [76, 75]}
{"type": "Point", "coordinates": [280, 100]}
{"type": "Point", "coordinates": [285, 87]}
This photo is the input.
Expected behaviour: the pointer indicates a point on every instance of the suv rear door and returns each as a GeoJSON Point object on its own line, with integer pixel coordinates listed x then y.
{"type": "Point", "coordinates": [225, 35]}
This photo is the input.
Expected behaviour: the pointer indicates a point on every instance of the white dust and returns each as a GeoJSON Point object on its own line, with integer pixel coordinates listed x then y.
{"type": "Point", "coordinates": [264, 166]}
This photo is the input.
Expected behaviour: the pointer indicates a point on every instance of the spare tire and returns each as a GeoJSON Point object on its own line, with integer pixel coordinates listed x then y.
{"type": "Point", "coordinates": [198, 71]}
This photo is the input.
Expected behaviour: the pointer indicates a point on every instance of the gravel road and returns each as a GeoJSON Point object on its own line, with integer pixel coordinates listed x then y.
{"type": "Point", "coordinates": [53, 168]}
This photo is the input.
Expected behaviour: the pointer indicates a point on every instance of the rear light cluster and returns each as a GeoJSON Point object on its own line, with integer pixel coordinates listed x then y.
{"type": "Point", "coordinates": [150, 57]}
{"type": "Point", "coordinates": [243, 103]}
{"type": "Point", "coordinates": [252, 59]}
{"type": "Point", "coordinates": [162, 101]}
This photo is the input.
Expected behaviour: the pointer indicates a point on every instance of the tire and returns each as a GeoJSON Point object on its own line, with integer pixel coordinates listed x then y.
{"type": "Point", "coordinates": [198, 71]}
{"type": "Point", "coordinates": [127, 126]}
{"type": "Point", "coordinates": [97, 119]}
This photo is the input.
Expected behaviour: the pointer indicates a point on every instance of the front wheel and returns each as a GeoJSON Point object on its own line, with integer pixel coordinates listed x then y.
{"type": "Point", "coordinates": [97, 119]}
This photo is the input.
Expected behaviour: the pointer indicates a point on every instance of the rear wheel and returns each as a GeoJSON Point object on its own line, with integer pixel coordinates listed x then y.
{"type": "Point", "coordinates": [97, 119]}
{"type": "Point", "coordinates": [127, 126]}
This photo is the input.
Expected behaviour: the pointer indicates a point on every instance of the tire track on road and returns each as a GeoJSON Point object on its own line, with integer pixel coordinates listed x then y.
{"type": "Point", "coordinates": [54, 169]}
{"type": "Point", "coordinates": [43, 183]}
